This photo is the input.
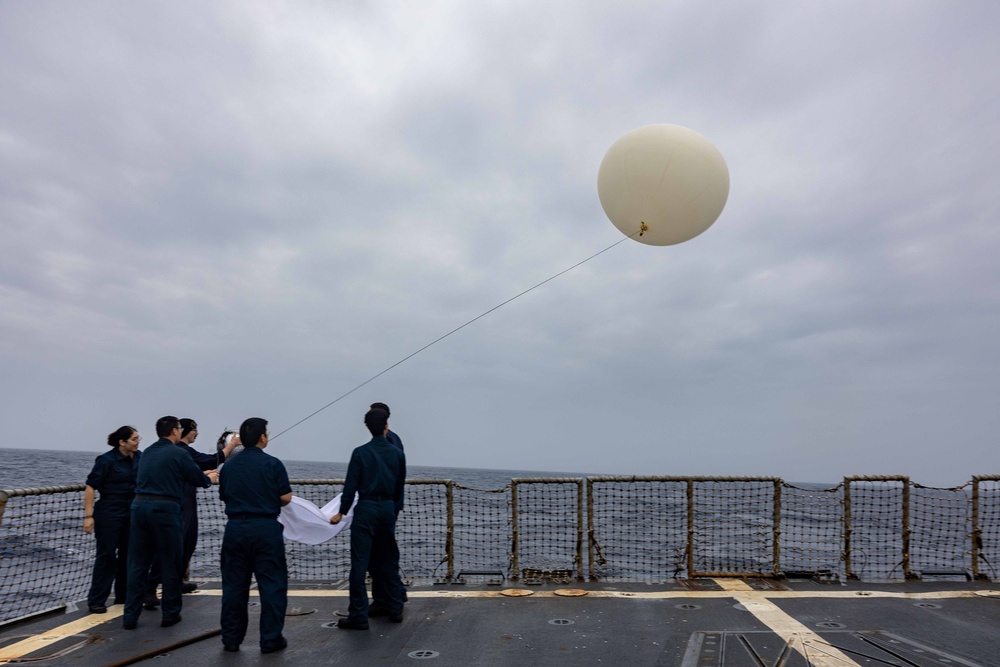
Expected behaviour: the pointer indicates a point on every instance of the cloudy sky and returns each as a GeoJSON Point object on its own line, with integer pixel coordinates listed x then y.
{"type": "Point", "coordinates": [222, 210]}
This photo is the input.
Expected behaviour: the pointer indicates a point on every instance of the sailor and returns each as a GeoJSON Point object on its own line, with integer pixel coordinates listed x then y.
{"type": "Point", "coordinates": [254, 487]}
{"type": "Point", "coordinates": [379, 607]}
{"type": "Point", "coordinates": [189, 506]}
{"type": "Point", "coordinates": [155, 527]}
{"type": "Point", "coordinates": [394, 440]}
{"type": "Point", "coordinates": [376, 474]}
{"type": "Point", "coordinates": [113, 476]}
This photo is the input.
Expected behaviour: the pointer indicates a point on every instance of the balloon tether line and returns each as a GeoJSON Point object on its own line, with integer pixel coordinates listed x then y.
{"type": "Point", "coordinates": [455, 330]}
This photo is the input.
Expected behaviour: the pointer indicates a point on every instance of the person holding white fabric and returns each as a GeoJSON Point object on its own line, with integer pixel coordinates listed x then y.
{"type": "Point", "coordinates": [254, 487]}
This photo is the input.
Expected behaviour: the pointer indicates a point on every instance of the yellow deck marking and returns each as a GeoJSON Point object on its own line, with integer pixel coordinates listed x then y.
{"type": "Point", "coordinates": [50, 637]}
{"type": "Point", "coordinates": [798, 637]}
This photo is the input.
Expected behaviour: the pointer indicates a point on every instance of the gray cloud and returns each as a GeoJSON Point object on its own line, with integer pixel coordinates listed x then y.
{"type": "Point", "coordinates": [244, 208]}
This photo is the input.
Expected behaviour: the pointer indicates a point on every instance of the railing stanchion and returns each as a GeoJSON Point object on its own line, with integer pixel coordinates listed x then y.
{"type": "Point", "coordinates": [579, 530]}
{"type": "Point", "coordinates": [449, 547]}
{"type": "Point", "coordinates": [907, 573]}
{"type": "Point", "coordinates": [514, 560]}
{"type": "Point", "coordinates": [590, 529]}
{"type": "Point", "coordinates": [690, 531]}
{"type": "Point", "coordinates": [848, 571]}
{"type": "Point", "coordinates": [777, 528]}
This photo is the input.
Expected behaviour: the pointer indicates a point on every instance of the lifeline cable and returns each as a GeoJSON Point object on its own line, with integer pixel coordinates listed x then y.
{"type": "Point", "coordinates": [441, 338]}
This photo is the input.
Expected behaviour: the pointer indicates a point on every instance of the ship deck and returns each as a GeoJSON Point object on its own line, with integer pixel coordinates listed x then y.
{"type": "Point", "coordinates": [686, 623]}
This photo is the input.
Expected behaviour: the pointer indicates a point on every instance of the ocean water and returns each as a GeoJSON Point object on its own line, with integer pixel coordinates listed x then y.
{"type": "Point", "coordinates": [28, 468]}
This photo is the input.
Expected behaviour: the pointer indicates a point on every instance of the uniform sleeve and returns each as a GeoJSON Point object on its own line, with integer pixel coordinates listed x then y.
{"type": "Point", "coordinates": [98, 473]}
{"type": "Point", "coordinates": [193, 474]}
{"type": "Point", "coordinates": [206, 461]}
{"type": "Point", "coordinates": [351, 482]}
{"type": "Point", "coordinates": [284, 486]}
{"type": "Point", "coordinates": [397, 495]}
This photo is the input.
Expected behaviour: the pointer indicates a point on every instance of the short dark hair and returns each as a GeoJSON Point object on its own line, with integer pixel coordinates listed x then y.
{"type": "Point", "coordinates": [381, 406]}
{"type": "Point", "coordinates": [252, 430]}
{"type": "Point", "coordinates": [123, 433]}
{"type": "Point", "coordinates": [166, 425]}
{"type": "Point", "coordinates": [375, 420]}
{"type": "Point", "coordinates": [187, 425]}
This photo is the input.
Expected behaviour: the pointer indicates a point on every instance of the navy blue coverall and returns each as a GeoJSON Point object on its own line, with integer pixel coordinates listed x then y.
{"type": "Point", "coordinates": [377, 475]}
{"type": "Point", "coordinates": [189, 512]}
{"type": "Point", "coordinates": [113, 476]}
{"type": "Point", "coordinates": [251, 486]}
{"type": "Point", "coordinates": [156, 526]}
{"type": "Point", "coordinates": [378, 596]}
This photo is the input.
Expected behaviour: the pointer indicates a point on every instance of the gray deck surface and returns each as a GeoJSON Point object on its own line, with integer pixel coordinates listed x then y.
{"type": "Point", "coordinates": [687, 624]}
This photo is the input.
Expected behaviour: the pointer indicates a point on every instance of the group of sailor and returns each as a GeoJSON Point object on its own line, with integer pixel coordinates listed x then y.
{"type": "Point", "coordinates": [146, 527]}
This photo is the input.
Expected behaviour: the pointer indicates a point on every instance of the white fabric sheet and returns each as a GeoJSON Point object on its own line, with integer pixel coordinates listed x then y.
{"type": "Point", "coordinates": [306, 523]}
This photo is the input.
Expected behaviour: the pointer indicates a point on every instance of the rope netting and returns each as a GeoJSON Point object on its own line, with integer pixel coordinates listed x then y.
{"type": "Point", "coordinates": [645, 529]}
{"type": "Point", "coordinates": [481, 530]}
{"type": "Point", "coordinates": [812, 530]}
{"type": "Point", "coordinates": [986, 531]}
{"type": "Point", "coordinates": [734, 528]}
{"type": "Point", "coordinates": [874, 514]}
{"type": "Point", "coordinates": [940, 530]}
{"type": "Point", "coordinates": [638, 528]}
{"type": "Point", "coordinates": [548, 523]}
{"type": "Point", "coordinates": [422, 531]}
{"type": "Point", "coordinates": [45, 557]}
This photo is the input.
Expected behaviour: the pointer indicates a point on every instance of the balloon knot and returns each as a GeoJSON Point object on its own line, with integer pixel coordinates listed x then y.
{"type": "Point", "coordinates": [643, 228]}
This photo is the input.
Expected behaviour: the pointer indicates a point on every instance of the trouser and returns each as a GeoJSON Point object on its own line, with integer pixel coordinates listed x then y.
{"type": "Point", "coordinates": [378, 585]}
{"type": "Point", "coordinates": [155, 533]}
{"type": "Point", "coordinates": [253, 547]}
{"type": "Point", "coordinates": [189, 523]}
{"type": "Point", "coordinates": [111, 531]}
{"type": "Point", "coordinates": [189, 529]}
{"type": "Point", "coordinates": [373, 550]}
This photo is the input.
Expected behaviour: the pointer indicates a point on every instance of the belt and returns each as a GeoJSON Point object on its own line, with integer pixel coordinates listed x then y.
{"type": "Point", "coordinates": [117, 496]}
{"type": "Point", "coordinates": [150, 496]}
{"type": "Point", "coordinates": [247, 515]}
{"type": "Point", "coordinates": [376, 498]}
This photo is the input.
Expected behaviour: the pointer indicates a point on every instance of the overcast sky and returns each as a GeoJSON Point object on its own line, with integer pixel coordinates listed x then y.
{"type": "Point", "coordinates": [232, 209]}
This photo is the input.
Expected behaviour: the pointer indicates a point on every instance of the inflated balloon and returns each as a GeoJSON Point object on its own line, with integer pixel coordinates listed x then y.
{"type": "Point", "coordinates": [663, 183]}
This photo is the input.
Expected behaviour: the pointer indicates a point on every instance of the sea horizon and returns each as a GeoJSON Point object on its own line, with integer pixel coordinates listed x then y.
{"type": "Point", "coordinates": [26, 467]}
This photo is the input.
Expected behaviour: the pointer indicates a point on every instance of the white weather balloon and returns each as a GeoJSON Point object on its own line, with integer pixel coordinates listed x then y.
{"type": "Point", "coordinates": [666, 178]}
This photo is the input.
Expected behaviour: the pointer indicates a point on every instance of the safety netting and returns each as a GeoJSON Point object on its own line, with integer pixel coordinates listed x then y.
{"type": "Point", "coordinates": [940, 528]}
{"type": "Point", "coordinates": [812, 530]}
{"type": "Point", "coordinates": [422, 530]}
{"type": "Point", "coordinates": [640, 529]}
{"type": "Point", "coordinates": [547, 515]}
{"type": "Point", "coordinates": [481, 533]}
{"type": "Point", "coordinates": [45, 557]}
{"type": "Point", "coordinates": [986, 527]}
{"type": "Point", "coordinates": [874, 526]}
{"type": "Point", "coordinates": [734, 526]}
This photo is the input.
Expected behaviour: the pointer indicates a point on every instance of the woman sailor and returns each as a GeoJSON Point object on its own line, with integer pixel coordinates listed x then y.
{"type": "Point", "coordinates": [113, 475]}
